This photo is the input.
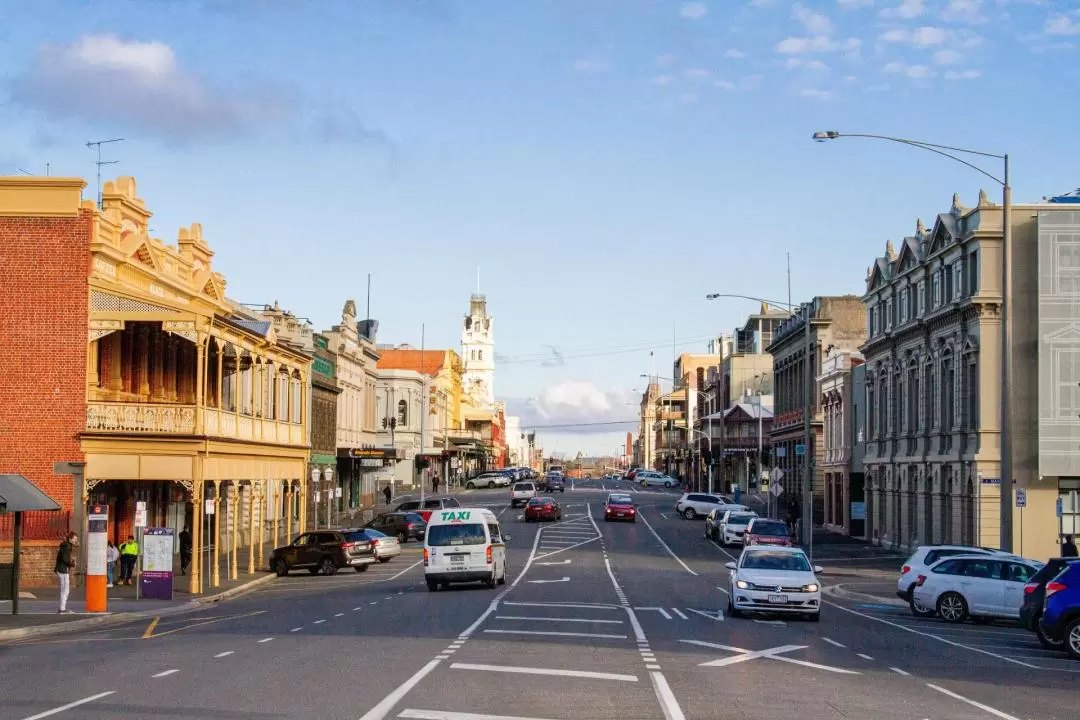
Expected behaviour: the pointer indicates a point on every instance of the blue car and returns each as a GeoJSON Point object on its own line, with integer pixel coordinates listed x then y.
{"type": "Point", "coordinates": [1061, 612]}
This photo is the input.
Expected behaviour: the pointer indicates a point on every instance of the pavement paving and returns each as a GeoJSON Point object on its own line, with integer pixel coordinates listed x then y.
{"type": "Point", "coordinates": [598, 620]}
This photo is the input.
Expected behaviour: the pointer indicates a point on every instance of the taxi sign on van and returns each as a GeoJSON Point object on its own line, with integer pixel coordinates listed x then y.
{"type": "Point", "coordinates": [456, 515]}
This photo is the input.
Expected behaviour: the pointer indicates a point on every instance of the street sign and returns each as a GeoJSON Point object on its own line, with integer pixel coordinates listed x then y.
{"type": "Point", "coordinates": [1059, 507]}
{"type": "Point", "coordinates": [209, 507]}
{"type": "Point", "coordinates": [776, 488]}
{"type": "Point", "coordinates": [777, 474]}
{"type": "Point", "coordinates": [1021, 497]}
{"type": "Point", "coordinates": [140, 514]}
{"type": "Point", "coordinates": [800, 449]}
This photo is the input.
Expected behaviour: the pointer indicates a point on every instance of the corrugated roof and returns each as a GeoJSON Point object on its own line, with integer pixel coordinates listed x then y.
{"type": "Point", "coordinates": [751, 409]}
{"type": "Point", "coordinates": [17, 494]}
{"type": "Point", "coordinates": [259, 327]}
{"type": "Point", "coordinates": [429, 362]}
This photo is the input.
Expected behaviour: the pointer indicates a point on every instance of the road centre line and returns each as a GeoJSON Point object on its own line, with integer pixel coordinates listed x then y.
{"type": "Point", "coordinates": [558, 672]}
{"type": "Point", "coordinates": [70, 706]}
{"type": "Point", "coordinates": [318, 622]}
{"type": "Point", "coordinates": [265, 640]}
{"type": "Point", "coordinates": [833, 642]}
{"type": "Point", "coordinates": [445, 715]}
{"type": "Point", "coordinates": [665, 545]}
{"type": "Point", "coordinates": [297, 629]}
{"type": "Point", "coordinates": [969, 701]}
{"type": "Point", "coordinates": [935, 637]}
{"type": "Point", "coordinates": [864, 656]}
{"type": "Point", "coordinates": [556, 634]}
{"type": "Point", "coordinates": [557, 619]}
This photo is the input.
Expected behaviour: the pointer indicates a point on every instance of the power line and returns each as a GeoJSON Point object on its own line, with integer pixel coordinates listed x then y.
{"type": "Point", "coordinates": [526, 360]}
{"type": "Point", "coordinates": [635, 421]}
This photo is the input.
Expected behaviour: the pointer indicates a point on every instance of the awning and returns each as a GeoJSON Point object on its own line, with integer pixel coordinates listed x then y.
{"type": "Point", "coordinates": [17, 494]}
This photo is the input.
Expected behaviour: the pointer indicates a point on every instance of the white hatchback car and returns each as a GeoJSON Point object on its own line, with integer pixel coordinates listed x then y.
{"type": "Point", "coordinates": [775, 580]}
{"type": "Point", "coordinates": [922, 559]}
{"type": "Point", "coordinates": [980, 587]}
{"type": "Point", "coordinates": [694, 505]}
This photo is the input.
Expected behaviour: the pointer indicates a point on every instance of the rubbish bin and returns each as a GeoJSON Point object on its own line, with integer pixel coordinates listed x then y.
{"type": "Point", "coordinates": [5, 581]}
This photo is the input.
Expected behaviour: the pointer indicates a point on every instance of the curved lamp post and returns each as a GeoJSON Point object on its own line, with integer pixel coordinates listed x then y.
{"type": "Point", "coordinates": [949, 152]}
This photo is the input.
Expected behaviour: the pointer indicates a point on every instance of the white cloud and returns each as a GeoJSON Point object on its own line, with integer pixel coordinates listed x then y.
{"type": "Point", "coordinates": [735, 54]}
{"type": "Point", "coordinates": [814, 22]}
{"type": "Point", "coordinates": [905, 10]}
{"type": "Point", "coordinates": [662, 80]}
{"type": "Point", "coordinates": [818, 43]}
{"type": "Point", "coordinates": [850, 78]}
{"type": "Point", "coordinates": [854, 4]}
{"type": "Point", "coordinates": [694, 10]}
{"type": "Point", "coordinates": [815, 93]}
{"type": "Point", "coordinates": [964, 11]}
{"type": "Point", "coordinates": [912, 71]}
{"type": "Point", "coordinates": [968, 39]}
{"type": "Point", "coordinates": [946, 57]}
{"type": "Point", "coordinates": [920, 37]}
{"type": "Point", "coordinates": [698, 73]}
{"type": "Point", "coordinates": [963, 75]}
{"type": "Point", "coordinates": [590, 65]}
{"type": "Point", "coordinates": [793, 63]}
{"type": "Point", "coordinates": [1064, 24]}
{"type": "Point", "coordinates": [725, 84]}
{"type": "Point", "coordinates": [665, 61]}
{"type": "Point", "coordinates": [577, 407]}
{"type": "Point", "coordinates": [139, 86]}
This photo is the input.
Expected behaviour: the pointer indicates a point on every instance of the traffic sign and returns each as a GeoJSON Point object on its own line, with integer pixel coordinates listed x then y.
{"type": "Point", "coordinates": [776, 488]}
{"type": "Point", "coordinates": [800, 449]}
{"type": "Point", "coordinates": [1021, 497]}
{"type": "Point", "coordinates": [1059, 507]}
{"type": "Point", "coordinates": [140, 514]}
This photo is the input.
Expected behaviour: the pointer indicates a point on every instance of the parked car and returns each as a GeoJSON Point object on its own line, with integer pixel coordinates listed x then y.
{"type": "Point", "coordinates": [923, 558]}
{"type": "Point", "coordinates": [774, 579]}
{"type": "Point", "coordinates": [428, 506]}
{"type": "Point", "coordinates": [620, 506]}
{"type": "Point", "coordinates": [324, 551]}
{"type": "Point", "coordinates": [977, 587]}
{"type": "Point", "coordinates": [489, 480]}
{"type": "Point", "coordinates": [732, 526]}
{"type": "Point", "coordinates": [1034, 598]}
{"type": "Point", "coordinates": [405, 526]}
{"type": "Point", "coordinates": [542, 508]}
{"type": "Point", "coordinates": [648, 477]}
{"type": "Point", "coordinates": [1061, 611]}
{"type": "Point", "coordinates": [763, 531]}
{"type": "Point", "coordinates": [385, 547]}
{"type": "Point", "coordinates": [693, 505]}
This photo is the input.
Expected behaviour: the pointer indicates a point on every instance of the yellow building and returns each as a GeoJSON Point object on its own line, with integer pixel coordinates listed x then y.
{"type": "Point", "coordinates": [190, 409]}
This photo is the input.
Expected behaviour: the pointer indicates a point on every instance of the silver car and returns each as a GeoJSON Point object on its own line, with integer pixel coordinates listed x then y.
{"type": "Point", "coordinates": [384, 546]}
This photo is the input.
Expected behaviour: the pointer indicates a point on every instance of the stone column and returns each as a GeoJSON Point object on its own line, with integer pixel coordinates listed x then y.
{"type": "Point", "coordinates": [251, 526]}
{"type": "Point", "coordinates": [200, 385]}
{"type": "Point", "coordinates": [115, 351]}
{"type": "Point", "coordinates": [169, 371]}
{"type": "Point", "coordinates": [260, 506]}
{"type": "Point", "coordinates": [155, 346]}
{"type": "Point", "coordinates": [220, 366]}
{"type": "Point", "coordinates": [288, 511]}
{"type": "Point", "coordinates": [215, 572]}
{"type": "Point", "coordinates": [198, 517]}
{"type": "Point", "coordinates": [142, 358]}
{"type": "Point", "coordinates": [234, 506]}
{"type": "Point", "coordinates": [275, 502]}
{"type": "Point", "coordinates": [92, 352]}
{"type": "Point", "coordinates": [127, 367]}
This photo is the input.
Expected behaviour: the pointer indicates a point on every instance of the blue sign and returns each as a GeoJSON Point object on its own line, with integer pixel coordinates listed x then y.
{"type": "Point", "coordinates": [781, 451]}
{"type": "Point", "coordinates": [1060, 507]}
{"type": "Point", "coordinates": [800, 449]}
{"type": "Point", "coordinates": [1021, 497]}
{"type": "Point", "coordinates": [858, 511]}
{"type": "Point", "coordinates": [991, 481]}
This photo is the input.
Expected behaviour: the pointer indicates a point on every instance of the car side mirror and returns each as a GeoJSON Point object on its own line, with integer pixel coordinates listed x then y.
{"type": "Point", "coordinates": [819, 569]}
{"type": "Point", "coordinates": [730, 565]}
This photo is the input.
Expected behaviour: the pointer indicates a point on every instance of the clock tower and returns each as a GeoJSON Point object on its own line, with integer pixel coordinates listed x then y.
{"type": "Point", "coordinates": [478, 352]}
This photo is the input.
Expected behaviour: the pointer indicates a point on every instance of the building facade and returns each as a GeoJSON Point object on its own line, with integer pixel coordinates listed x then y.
{"type": "Point", "coordinates": [843, 486]}
{"type": "Point", "coordinates": [334, 497]}
{"type": "Point", "coordinates": [646, 453]}
{"type": "Point", "coordinates": [178, 403]}
{"type": "Point", "coordinates": [400, 398]}
{"type": "Point", "coordinates": [834, 322]}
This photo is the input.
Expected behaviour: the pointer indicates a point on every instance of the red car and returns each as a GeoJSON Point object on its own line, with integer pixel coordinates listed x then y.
{"type": "Point", "coordinates": [763, 531]}
{"type": "Point", "coordinates": [542, 508]}
{"type": "Point", "coordinates": [620, 507]}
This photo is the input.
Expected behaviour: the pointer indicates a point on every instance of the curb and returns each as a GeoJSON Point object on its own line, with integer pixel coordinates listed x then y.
{"type": "Point", "coordinates": [839, 591]}
{"type": "Point", "coordinates": [36, 631]}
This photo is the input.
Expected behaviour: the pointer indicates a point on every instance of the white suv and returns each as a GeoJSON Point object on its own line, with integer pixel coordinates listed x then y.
{"type": "Point", "coordinates": [692, 505]}
{"type": "Point", "coordinates": [923, 558]}
{"type": "Point", "coordinates": [522, 493]}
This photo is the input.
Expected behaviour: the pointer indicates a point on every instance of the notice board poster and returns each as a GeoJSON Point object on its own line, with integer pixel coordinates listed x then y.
{"type": "Point", "coordinates": [156, 578]}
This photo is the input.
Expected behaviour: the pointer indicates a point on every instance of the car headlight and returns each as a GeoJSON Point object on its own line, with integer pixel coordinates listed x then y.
{"type": "Point", "coordinates": [742, 585]}
{"type": "Point", "coordinates": [812, 587]}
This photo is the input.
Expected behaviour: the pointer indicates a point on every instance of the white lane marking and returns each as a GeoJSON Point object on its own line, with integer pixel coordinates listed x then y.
{"type": "Point", "coordinates": [227, 653]}
{"type": "Point", "coordinates": [662, 611]}
{"type": "Point", "coordinates": [833, 642]}
{"type": "Point", "coordinates": [721, 549]}
{"type": "Point", "coordinates": [442, 656]}
{"type": "Point", "coordinates": [569, 547]}
{"type": "Point", "coordinates": [898, 671]}
{"type": "Point", "coordinates": [717, 615]}
{"type": "Point", "coordinates": [445, 715]}
{"type": "Point", "coordinates": [545, 582]}
{"type": "Point", "coordinates": [556, 634]}
{"type": "Point", "coordinates": [663, 516]}
{"type": "Point", "coordinates": [969, 701]}
{"type": "Point", "coordinates": [163, 673]}
{"type": "Point", "coordinates": [779, 623]}
{"type": "Point", "coordinates": [580, 606]}
{"type": "Point", "coordinates": [678, 612]}
{"type": "Point", "coordinates": [373, 602]}
{"type": "Point", "coordinates": [356, 609]}
{"type": "Point", "coordinates": [668, 703]}
{"type": "Point", "coordinates": [723, 590]}
{"type": "Point", "coordinates": [557, 619]}
{"type": "Point", "coordinates": [935, 637]}
{"type": "Point", "coordinates": [318, 622]}
{"type": "Point", "coordinates": [665, 545]}
{"type": "Point", "coordinates": [559, 672]}
{"type": "Point", "coordinates": [338, 614]}
{"type": "Point", "coordinates": [864, 657]}
{"type": "Point", "coordinates": [386, 705]}
{"type": "Point", "coordinates": [651, 667]}
{"type": "Point", "coordinates": [297, 629]}
{"type": "Point", "coordinates": [771, 653]}
{"type": "Point", "coordinates": [69, 706]}
{"type": "Point", "coordinates": [266, 640]}
{"type": "Point", "coordinates": [560, 562]}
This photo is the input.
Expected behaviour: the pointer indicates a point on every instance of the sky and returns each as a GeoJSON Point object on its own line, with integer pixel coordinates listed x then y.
{"type": "Point", "coordinates": [598, 165]}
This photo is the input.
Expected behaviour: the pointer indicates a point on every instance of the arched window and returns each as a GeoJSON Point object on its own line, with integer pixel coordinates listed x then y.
{"type": "Point", "coordinates": [402, 412]}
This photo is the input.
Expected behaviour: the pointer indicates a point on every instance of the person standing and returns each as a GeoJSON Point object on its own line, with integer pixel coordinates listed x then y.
{"type": "Point", "coordinates": [387, 493]}
{"type": "Point", "coordinates": [1068, 548]}
{"type": "Point", "coordinates": [185, 550]}
{"type": "Point", "coordinates": [112, 556]}
{"type": "Point", "coordinates": [435, 483]}
{"type": "Point", "coordinates": [65, 563]}
{"type": "Point", "coordinates": [129, 554]}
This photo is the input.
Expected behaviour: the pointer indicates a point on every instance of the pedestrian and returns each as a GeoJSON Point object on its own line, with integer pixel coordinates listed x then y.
{"type": "Point", "coordinates": [387, 493]}
{"type": "Point", "coordinates": [1068, 548]}
{"type": "Point", "coordinates": [129, 554]}
{"type": "Point", "coordinates": [185, 550]}
{"type": "Point", "coordinates": [65, 563]}
{"type": "Point", "coordinates": [435, 483]}
{"type": "Point", "coordinates": [112, 556]}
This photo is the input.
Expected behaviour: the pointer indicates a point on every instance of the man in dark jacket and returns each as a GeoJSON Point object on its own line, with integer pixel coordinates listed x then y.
{"type": "Point", "coordinates": [65, 563]}
{"type": "Point", "coordinates": [1068, 548]}
{"type": "Point", "coordinates": [185, 550]}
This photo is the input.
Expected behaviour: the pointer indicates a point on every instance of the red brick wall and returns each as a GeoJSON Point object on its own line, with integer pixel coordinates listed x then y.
{"type": "Point", "coordinates": [38, 561]}
{"type": "Point", "coordinates": [44, 296]}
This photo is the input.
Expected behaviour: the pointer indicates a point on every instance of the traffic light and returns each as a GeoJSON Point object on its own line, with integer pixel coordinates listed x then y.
{"type": "Point", "coordinates": [393, 422]}
{"type": "Point", "coordinates": [384, 423]}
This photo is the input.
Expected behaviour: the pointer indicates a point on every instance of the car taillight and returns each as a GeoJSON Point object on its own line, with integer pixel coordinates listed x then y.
{"type": "Point", "coordinates": [348, 545]}
{"type": "Point", "coordinates": [425, 557]}
{"type": "Point", "coordinates": [375, 543]}
{"type": "Point", "coordinates": [489, 558]}
{"type": "Point", "coordinates": [905, 570]}
{"type": "Point", "coordinates": [1054, 587]}
{"type": "Point", "coordinates": [1030, 588]}
{"type": "Point", "coordinates": [920, 580]}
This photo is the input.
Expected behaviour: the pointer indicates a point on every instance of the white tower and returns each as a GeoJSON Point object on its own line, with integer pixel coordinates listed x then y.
{"type": "Point", "coordinates": [478, 351]}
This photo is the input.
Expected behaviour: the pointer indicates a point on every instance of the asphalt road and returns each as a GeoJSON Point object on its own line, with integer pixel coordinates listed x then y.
{"type": "Point", "coordinates": [598, 620]}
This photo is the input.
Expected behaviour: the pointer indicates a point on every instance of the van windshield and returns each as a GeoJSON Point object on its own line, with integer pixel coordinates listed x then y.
{"type": "Point", "coordinates": [446, 535]}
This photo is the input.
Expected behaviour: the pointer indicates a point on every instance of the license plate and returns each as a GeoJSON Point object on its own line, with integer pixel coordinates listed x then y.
{"type": "Point", "coordinates": [778, 599]}
{"type": "Point", "coordinates": [620, 514]}
{"type": "Point", "coordinates": [457, 559]}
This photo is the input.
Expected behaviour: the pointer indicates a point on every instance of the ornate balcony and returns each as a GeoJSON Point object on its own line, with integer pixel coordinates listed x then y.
{"type": "Point", "coordinates": [140, 418]}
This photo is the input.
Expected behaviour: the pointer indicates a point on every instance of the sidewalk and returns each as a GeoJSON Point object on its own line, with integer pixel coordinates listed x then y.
{"type": "Point", "coordinates": [38, 607]}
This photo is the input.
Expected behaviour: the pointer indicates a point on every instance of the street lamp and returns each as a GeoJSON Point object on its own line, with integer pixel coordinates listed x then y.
{"type": "Point", "coordinates": [328, 476]}
{"type": "Point", "coordinates": [1005, 506]}
{"type": "Point", "coordinates": [315, 474]}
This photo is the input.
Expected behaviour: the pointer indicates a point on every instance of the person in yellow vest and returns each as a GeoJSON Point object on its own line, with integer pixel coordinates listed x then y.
{"type": "Point", "coordinates": [129, 554]}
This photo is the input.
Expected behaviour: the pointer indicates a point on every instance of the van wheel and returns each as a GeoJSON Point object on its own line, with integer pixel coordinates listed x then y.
{"type": "Point", "coordinates": [502, 578]}
{"type": "Point", "coordinates": [432, 586]}
{"type": "Point", "coordinates": [491, 581]}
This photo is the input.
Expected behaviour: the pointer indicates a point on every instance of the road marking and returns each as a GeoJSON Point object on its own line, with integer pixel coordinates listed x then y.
{"type": "Point", "coordinates": [779, 623]}
{"type": "Point", "coordinates": [556, 634]}
{"type": "Point", "coordinates": [864, 657]}
{"type": "Point", "coordinates": [444, 715]}
{"type": "Point", "coordinates": [373, 602]}
{"type": "Point", "coordinates": [775, 653]}
{"type": "Point", "coordinates": [318, 622]}
{"type": "Point", "coordinates": [935, 637]}
{"type": "Point", "coordinates": [207, 622]}
{"type": "Point", "coordinates": [265, 640]}
{"type": "Point", "coordinates": [678, 612]}
{"type": "Point", "coordinates": [227, 653]}
{"type": "Point", "coordinates": [833, 642]}
{"type": "Point", "coordinates": [356, 609]}
{"type": "Point", "coordinates": [663, 516]}
{"type": "Point", "coordinates": [662, 611]}
{"type": "Point", "coordinates": [665, 545]}
{"type": "Point", "coordinates": [545, 582]}
{"type": "Point", "coordinates": [69, 706]}
{"type": "Point", "coordinates": [721, 549]}
{"type": "Point", "coordinates": [386, 705]}
{"type": "Point", "coordinates": [163, 673]}
{"type": "Point", "coordinates": [150, 628]}
{"type": "Point", "coordinates": [557, 619]}
{"type": "Point", "coordinates": [668, 703]}
{"type": "Point", "coordinates": [579, 606]}
{"type": "Point", "coordinates": [898, 671]}
{"type": "Point", "coordinates": [723, 590]}
{"type": "Point", "coordinates": [297, 629]}
{"type": "Point", "coordinates": [560, 562]}
{"type": "Point", "coordinates": [338, 614]}
{"type": "Point", "coordinates": [969, 701]}
{"type": "Point", "coordinates": [558, 672]}
{"type": "Point", "coordinates": [717, 615]}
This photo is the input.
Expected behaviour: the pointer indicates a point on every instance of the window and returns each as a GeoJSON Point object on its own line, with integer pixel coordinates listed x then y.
{"type": "Point", "coordinates": [947, 284]}
{"type": "Point", "coordinates": [870, 321]}
{"type": "Point", "coordinates": [958, 273]}
{"type": "Point", "coordinates": [920, 297]}
{"type": "Point", "coordinates": [935, 284]}
{"type": "Point", "coordinates": [1068, 382]}
{"type": "Point", "coordinates": [889, 313]}
{"type": "Point", "coordinates": [871, 430]}
{"type": "Point", "coordinates": [480, 355]}
{"type": "Point", "coordinates": [295, 412]}
{"type": "Point", "coordinates": [973, 273]}
{"type": "Point", "coordinates": [973, 396]}
{"type": "Point", "coordinates": [402, 413]}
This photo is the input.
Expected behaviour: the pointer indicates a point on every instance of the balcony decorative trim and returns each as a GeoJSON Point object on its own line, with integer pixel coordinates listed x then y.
{"type": "Point", "coordinates": [101, 328]}
{"type": "Point", "coordinates": [128, 417]}
{"type": "Point", "coordinates": [183, 328]}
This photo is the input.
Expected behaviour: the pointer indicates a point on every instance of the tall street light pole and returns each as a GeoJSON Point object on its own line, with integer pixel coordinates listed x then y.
{"type": "Point", "coordinates": [1006, 494]}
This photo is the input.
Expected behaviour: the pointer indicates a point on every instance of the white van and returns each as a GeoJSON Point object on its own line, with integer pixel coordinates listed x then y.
{"type": "Point", "coordinates": [464, 545]}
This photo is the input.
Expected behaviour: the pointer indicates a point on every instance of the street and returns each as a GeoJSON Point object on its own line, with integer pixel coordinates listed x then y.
{"type": "Point", "coordinates": [597, 620]}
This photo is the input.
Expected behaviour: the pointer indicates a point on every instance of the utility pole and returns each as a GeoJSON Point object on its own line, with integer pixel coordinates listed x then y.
{"type": "Point", "coordinates": [423, 412]}
{"type": "Point", "coordinates": [96, 144]}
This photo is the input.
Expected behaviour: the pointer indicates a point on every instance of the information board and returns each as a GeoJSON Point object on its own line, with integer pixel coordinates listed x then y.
{"type": "Point", "coordinates": [156, 579]}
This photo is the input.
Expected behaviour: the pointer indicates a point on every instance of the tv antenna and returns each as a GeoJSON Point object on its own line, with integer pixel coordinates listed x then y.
{"type": "Point", "coordinates": [97, 144]}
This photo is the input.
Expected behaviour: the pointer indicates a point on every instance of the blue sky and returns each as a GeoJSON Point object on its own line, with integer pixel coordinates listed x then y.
{"type": "Point", "coordinates": [606, 163]}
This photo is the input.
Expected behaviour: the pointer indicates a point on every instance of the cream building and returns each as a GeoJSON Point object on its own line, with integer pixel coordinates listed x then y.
{"type": "Point", "coordinates": [840, 434]}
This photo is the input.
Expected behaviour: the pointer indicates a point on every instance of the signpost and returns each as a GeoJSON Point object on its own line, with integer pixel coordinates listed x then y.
{"type": "Point", "coordinates": [157, 563]}
{"type": "Point", "coordinates": [97, 562]}
{"type": "Point", "coordinates": [1021, 502]}
{"type": "Point", "coordinates": [140, 523]}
